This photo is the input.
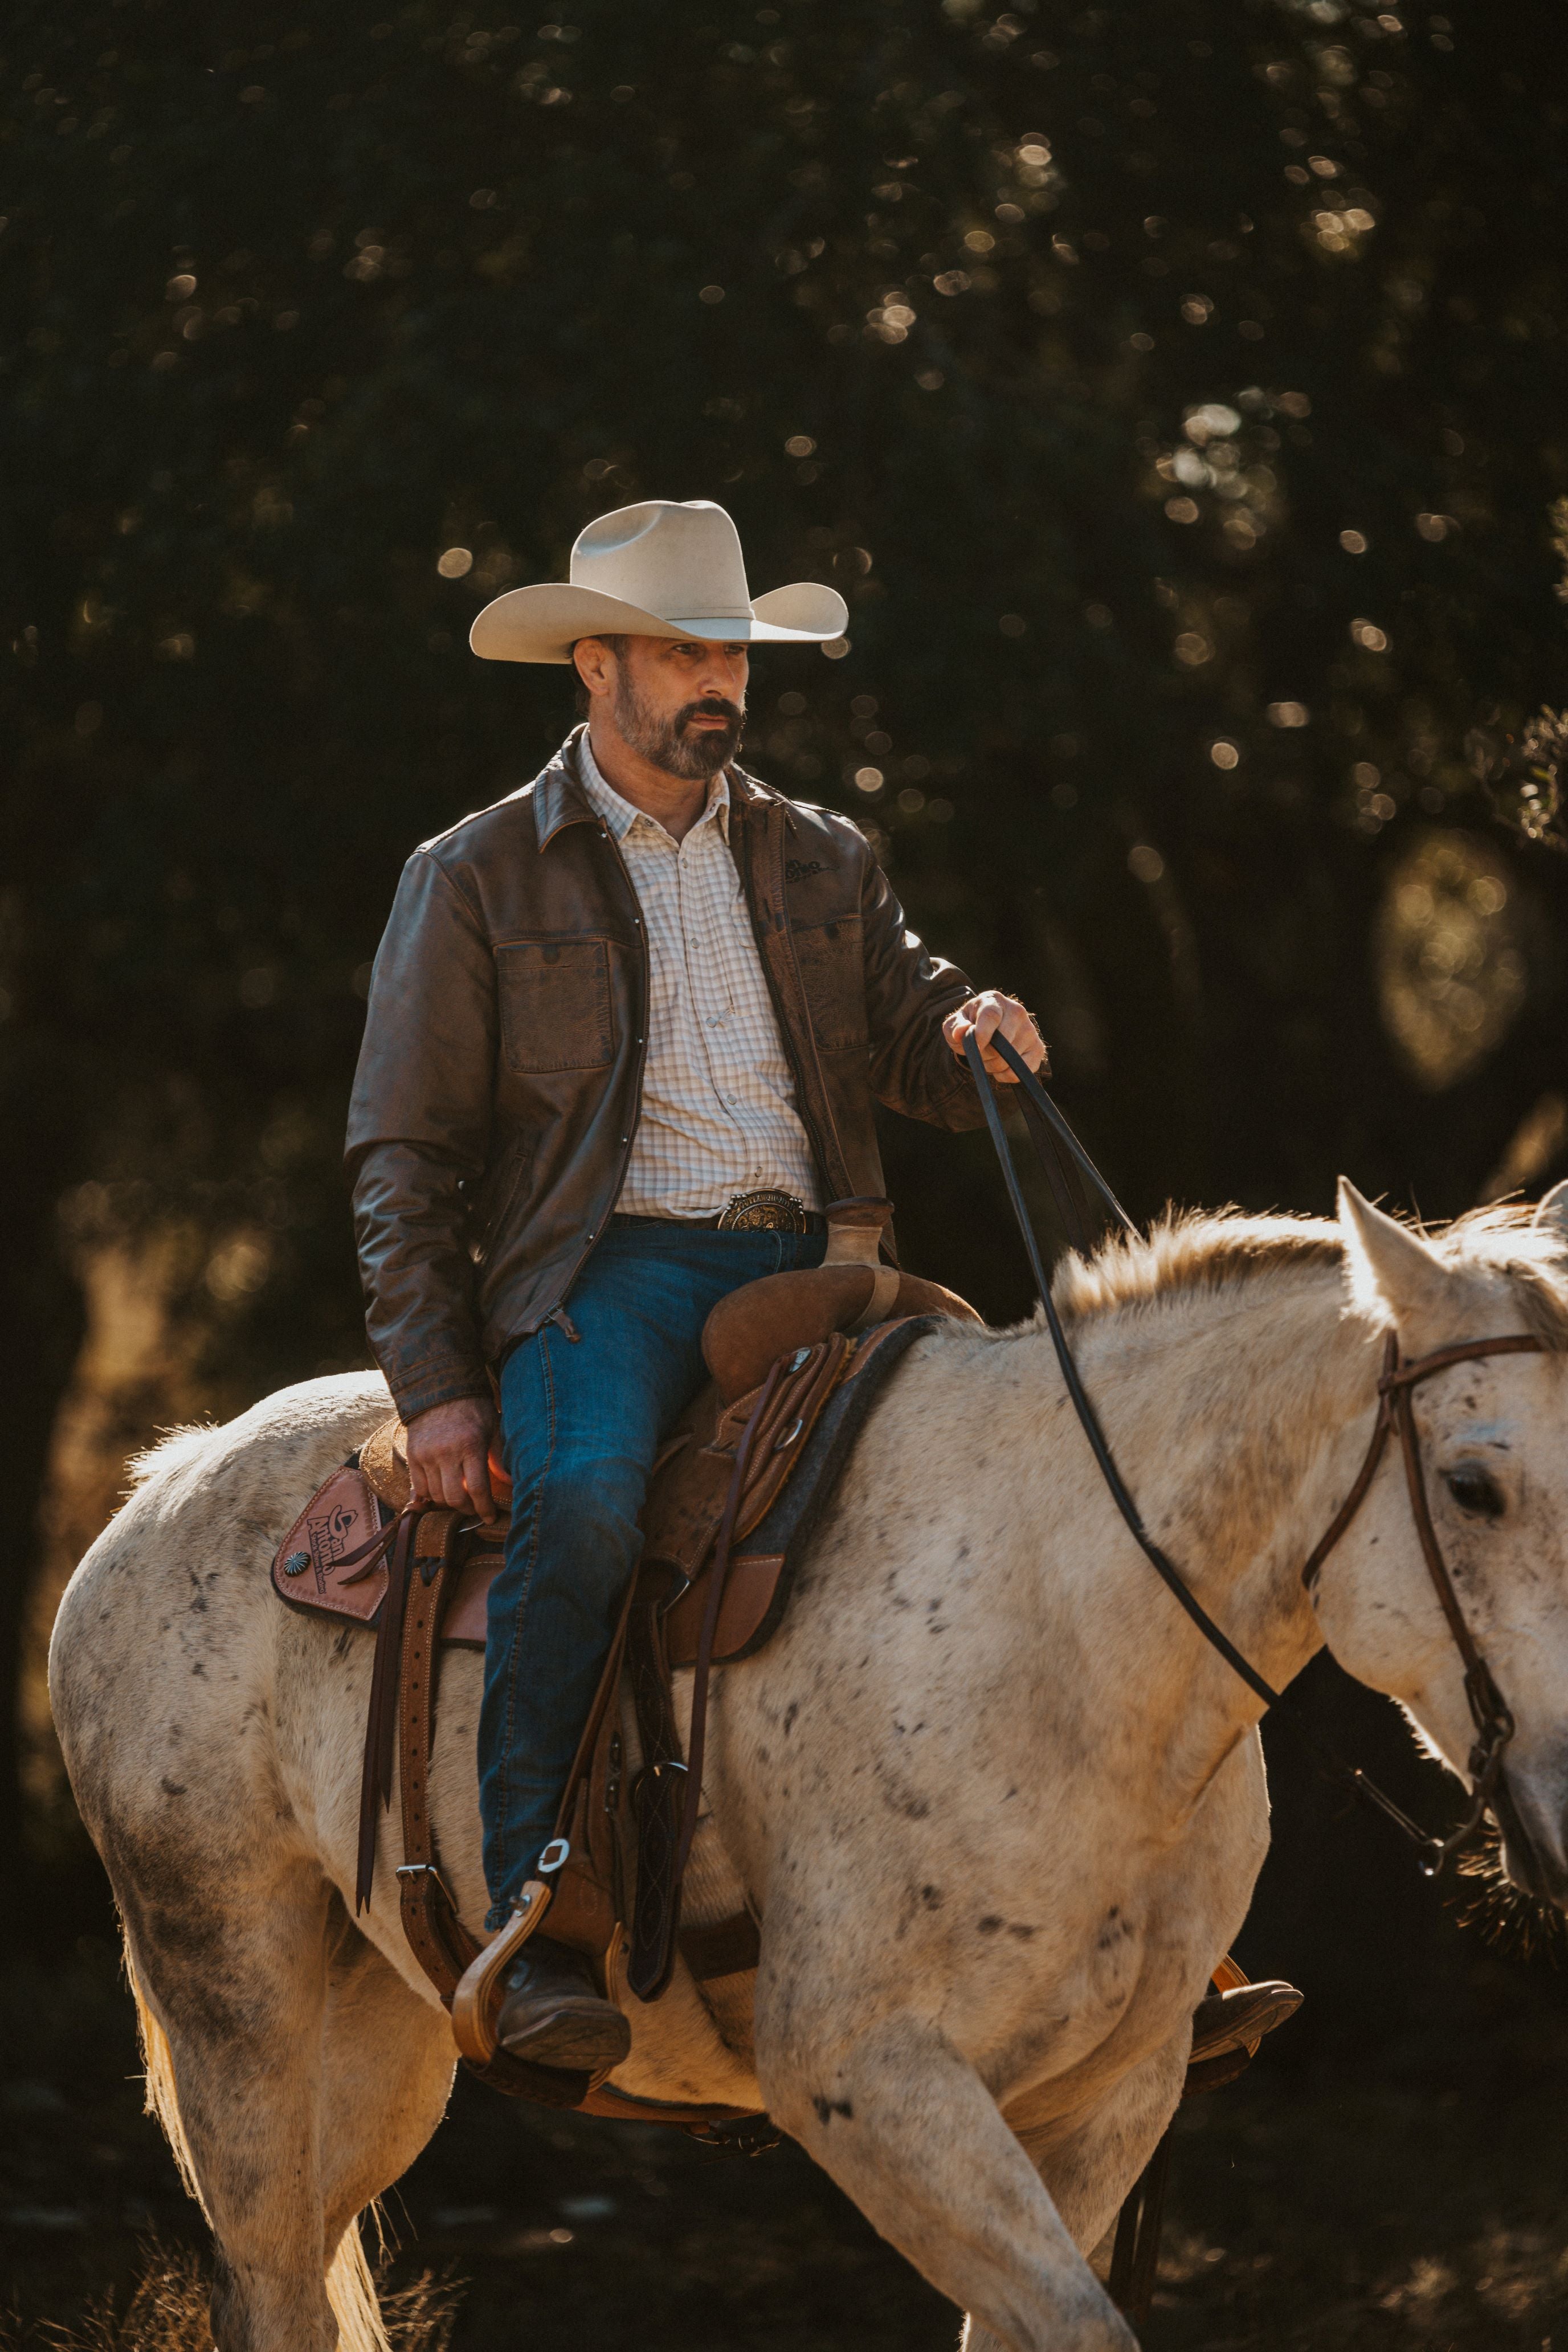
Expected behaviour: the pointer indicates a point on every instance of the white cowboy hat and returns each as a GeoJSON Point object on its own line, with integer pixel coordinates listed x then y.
{"type": "Point", "coordinates": [663, 569]}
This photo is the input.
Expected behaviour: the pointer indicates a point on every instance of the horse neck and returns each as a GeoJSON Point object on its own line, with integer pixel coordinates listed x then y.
{"type": "Point", "coordinates": [1238, 1417]}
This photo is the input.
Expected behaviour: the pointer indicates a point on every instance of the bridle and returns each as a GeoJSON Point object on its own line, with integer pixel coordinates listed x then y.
{"type": "Point", "coordinates": [1489, 1713]}
{"type": "Point", "coordinates": [1063, 1157]}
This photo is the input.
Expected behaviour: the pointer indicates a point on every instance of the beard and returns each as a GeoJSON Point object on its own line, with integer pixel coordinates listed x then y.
{"type": "Point", "coordinates": [694, 754]}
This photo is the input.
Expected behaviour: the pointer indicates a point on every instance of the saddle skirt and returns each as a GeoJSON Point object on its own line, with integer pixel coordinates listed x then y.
{"type": "Point", "coordinates": [797, 1455]}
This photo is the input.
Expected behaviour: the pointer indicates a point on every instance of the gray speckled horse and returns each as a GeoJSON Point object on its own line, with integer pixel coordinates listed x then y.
{"type": "Point", "coordinates": [997, 1806]}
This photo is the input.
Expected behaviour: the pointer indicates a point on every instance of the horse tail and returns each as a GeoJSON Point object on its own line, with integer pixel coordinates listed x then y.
{"type": "Point", "coordinates": [163, 2098]}
{"type": "Point", "coordinates": [350, 2290]}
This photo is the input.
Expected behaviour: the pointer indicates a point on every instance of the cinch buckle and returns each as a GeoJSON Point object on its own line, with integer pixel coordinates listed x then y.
{"type": "Point", "coordinates": [428, 1869]}
{"type": "Point", "coordinates": [553, 1856]}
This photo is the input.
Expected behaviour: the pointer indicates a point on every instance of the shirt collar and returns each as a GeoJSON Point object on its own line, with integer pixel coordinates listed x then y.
{"type": "Point", "coordinates": [621, 814]}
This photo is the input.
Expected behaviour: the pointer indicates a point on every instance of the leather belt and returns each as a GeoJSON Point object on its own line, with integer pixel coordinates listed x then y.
{"type": "Point", "coordinates": [748, 1212]}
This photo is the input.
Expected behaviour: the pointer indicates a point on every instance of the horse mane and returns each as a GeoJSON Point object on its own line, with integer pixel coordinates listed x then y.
{"type": "Point", "coordinates": [1208, 1251]}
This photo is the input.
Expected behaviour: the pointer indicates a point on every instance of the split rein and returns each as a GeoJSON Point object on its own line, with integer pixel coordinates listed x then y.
{"type": "Point", "coordinates": [1066, 1164]}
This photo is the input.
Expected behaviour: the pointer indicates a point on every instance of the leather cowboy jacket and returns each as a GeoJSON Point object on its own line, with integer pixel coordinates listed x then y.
{"type": "Point", "coordinates": [500, 1080]}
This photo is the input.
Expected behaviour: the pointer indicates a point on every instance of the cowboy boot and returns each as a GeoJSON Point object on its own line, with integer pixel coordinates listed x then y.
{"type": "Point", "coordinates": [553, 2015]}
{"type": "Point", "coordinates": [1227, 2023]}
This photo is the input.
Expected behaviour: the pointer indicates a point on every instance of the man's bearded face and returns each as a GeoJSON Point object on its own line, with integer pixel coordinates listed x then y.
{"type": "Point", "coordinates": [677, 740]}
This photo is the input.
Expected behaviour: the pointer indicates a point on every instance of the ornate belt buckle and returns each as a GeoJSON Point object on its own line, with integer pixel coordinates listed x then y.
{"type": "Point", "coordinates": [768, 1211]}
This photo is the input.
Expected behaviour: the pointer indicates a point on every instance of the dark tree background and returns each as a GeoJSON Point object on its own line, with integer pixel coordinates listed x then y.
{"type": "Point", "coordinates": [1175, 389]}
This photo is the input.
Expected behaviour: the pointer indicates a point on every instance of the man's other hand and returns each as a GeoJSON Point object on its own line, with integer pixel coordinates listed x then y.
{"type": "Point", "coordinates": [989, 1014]}
{"type": "Point", "coordinates": [448, 1455]}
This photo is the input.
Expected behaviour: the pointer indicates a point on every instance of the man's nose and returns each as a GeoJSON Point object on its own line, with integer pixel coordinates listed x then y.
{"type": "Point", "coordinates": [724, 676]}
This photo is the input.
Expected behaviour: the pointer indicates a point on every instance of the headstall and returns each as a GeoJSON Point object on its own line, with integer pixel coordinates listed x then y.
{"type": "Point", "coordinates": [1065, 1159]}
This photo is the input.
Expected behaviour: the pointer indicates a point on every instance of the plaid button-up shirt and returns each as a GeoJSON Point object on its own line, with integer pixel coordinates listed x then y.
{"type": "Point", "coordinates": [719, 1111]}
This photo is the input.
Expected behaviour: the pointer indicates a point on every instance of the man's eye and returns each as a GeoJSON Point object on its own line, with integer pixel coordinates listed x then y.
{"type": "Point", "coordinates": [1476, 1491]}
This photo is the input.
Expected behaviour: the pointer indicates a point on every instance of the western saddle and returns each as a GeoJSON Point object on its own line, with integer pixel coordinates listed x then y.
{"type": "Point", "coordinates": [797, 1361]}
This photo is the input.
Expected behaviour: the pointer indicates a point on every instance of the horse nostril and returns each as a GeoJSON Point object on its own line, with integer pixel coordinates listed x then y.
{"type": "Point", "coordinates": [1476, 1491]}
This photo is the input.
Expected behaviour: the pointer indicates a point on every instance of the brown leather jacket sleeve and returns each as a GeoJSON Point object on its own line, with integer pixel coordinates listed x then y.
{"type": "Point", "coordinates": [909, 994]}
{"type": "Point", "coordinates": [418, 1130]}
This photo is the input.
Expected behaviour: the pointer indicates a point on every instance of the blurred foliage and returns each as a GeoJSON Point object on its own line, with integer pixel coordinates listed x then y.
{"type": "Point", "coordinates": [1175, 392]}
{"type": "Point", "coordinates": [1452, 971]}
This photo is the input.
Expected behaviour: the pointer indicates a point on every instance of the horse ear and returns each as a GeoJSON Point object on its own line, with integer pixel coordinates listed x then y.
{"type": "Point", "coordinates": [1552, 1212]}
{"type": "Point", "coordinates": [1393, 1272]}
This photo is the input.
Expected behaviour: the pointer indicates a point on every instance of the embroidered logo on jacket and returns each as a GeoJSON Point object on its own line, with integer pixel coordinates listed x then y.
{"type": "Point", "coordinates": [797, 871]}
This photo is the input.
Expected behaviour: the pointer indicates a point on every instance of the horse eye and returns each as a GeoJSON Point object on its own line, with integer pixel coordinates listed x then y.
{"type": "Point", "coordinates": [1476, 1490]}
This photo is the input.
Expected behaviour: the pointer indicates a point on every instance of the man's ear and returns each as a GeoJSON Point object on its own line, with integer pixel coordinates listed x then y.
{"type": "Point", "coordinates": [1393, 1274]}
{"type": "Point", "coordinates": [1552, 1212]}
{"type": "Point", "coordinates": [593, 663]}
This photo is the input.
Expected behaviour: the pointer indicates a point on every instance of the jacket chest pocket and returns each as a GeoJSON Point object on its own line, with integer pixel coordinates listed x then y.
{"type": "Point", "coordinates": [832, 962]}
{"type": "Point", "coordinates": [556, 1010]}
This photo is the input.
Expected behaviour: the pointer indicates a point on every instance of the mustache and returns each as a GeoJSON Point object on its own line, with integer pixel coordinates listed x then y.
{"type": "Point", "coordinates": [711, 706]}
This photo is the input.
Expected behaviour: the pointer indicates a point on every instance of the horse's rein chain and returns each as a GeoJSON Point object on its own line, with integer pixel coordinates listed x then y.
{"type": "Point", "coordinates": [1053, 1141]}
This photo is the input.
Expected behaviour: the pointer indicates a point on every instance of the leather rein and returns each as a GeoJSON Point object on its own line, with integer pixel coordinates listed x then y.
{"type": "Point", "coordinates": [1063, 1160]}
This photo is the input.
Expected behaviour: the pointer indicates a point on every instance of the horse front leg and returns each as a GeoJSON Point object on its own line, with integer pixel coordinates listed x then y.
{"type": "Point", "coordinates": [1090, 2167]}
{"type": "Point", "coordinates": [1088, 2171]}
{"type": "Point", "coordinates": [903, 2123]}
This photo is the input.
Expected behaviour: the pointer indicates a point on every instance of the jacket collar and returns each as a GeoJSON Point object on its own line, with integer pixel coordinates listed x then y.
{"type": "Point", "coordinates": [558, 796]}
{"type": "Point", "coordinates": [750, 792]}
{"type": "Point", "coordinates": [558, 799]}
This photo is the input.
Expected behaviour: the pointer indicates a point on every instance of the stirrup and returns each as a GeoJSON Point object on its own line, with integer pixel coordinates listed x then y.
{"type": "Point", "coordinates": [474, 2004]}
{"type": "Point", "coordinates": [1235, 2021]}
{"type": "Point", "coordinates": [1230, 2043]}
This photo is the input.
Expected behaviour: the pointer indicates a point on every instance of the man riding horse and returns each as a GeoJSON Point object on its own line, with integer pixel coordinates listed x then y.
{"type": "Point", "coordinates": [625, 1036]}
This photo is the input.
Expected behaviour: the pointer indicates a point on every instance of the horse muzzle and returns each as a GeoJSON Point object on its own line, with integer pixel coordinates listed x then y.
{"type": "Point", "coordinates": [1534, 1842]}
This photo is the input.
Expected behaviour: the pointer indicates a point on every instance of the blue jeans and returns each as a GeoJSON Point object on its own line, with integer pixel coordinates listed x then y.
{"type": "Point", "coordinates": [582, 1420]}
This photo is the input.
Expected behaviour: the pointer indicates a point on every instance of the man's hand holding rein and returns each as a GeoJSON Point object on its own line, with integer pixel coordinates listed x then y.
{"type": "Point", "coordinates": [448, 1455]}
{"type": "Point", "coordinates": [990, 1014]}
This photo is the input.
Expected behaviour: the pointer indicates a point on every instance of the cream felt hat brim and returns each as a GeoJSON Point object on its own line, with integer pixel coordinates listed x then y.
{"type": "Point", "coordinates": [662, 569]}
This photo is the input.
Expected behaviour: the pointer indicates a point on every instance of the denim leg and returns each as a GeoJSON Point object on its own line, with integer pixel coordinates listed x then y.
{"type": "Point", "coordinates": [582, 1422]}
